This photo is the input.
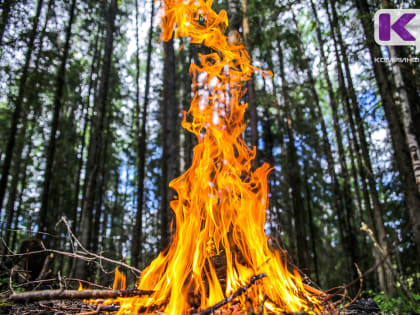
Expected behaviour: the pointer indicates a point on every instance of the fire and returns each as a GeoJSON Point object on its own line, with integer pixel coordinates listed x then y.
{"type": "Point", "coordinates": [221, 201]}
{"type": "Point", "coordinates": [119, 281]}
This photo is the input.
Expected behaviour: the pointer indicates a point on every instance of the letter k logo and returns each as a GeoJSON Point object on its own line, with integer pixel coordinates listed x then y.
{"type": "Point", "coordinates": [398, 26]}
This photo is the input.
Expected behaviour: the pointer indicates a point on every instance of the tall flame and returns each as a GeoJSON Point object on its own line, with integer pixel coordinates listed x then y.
{"type": "Point", "coordinates": [221, 202]}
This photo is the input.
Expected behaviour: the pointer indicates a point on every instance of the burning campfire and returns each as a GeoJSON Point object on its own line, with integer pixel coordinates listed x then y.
{"type": "Point", "coordinates": [219, 245]}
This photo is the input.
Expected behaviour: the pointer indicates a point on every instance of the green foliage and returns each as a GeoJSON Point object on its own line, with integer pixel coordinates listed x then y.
{"type": "Point", "coordinates": [397, 305]}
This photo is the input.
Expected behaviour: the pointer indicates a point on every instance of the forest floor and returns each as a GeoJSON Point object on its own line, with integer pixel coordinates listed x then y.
{"type": "Point", "coordinates": [48, 308]}
{"type": "Point", "coordinates": [359, 307]}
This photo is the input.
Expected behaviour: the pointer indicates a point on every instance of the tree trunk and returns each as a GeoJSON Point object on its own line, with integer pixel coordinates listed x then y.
{"type": "Point", "coordinates": [97, 134]}
{"type": "Point", "coordinates": [87, 110]}
{"type": "Point", "coordinates": [136, 246]}
{"type": "Point", "coordinates": [18, 107]}
{"type": "Point", "coordinates": [252, 103]}
{"type": "Point", "coordinates": [294, 175]}
{"type": "Point", "coordinates": [23, 183]}
{"type": "Point", "coordinates": [102, 184]}
{"type": "Point", "coordinates": [169, 139]}
{"type": "Point", "coordinates": [10, 205]}
{"type": "Point", "coordinates": [407, 121]}
{"type": "Point", "coordinates": [45, 221]}
{"type": "Point", "coordinates": [312, 231]}
{"type": "Point", "coordinates": [267, 122]}
{"type": "Point", "coordinates": [410, 75]}
{"type": "Point", "coordinates": [398, 137]}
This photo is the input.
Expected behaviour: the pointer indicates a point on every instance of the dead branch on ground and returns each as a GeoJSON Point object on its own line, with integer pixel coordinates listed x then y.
{"type": "Point", "coordinates": [229, 299]}
{"type": "Point", "coordinates": [33, 296]}
{"type": "Point", "coordinates": [38, 282]}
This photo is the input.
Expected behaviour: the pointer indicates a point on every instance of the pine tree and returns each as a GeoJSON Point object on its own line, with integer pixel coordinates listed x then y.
{"type": "Point", "coordinates": [136, 246]}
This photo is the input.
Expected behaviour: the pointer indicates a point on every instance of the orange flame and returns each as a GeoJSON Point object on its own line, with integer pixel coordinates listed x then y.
{"type": "Point", "coordinates": [119, 281]}
{"type": "Point", "coordinates": [221, 202]}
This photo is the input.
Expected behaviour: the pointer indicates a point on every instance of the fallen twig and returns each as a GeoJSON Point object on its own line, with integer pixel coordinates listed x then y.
{"type": "Point", "coordinates": [33, 296]}
{"type": "Point", "coordinates": [229, 299]}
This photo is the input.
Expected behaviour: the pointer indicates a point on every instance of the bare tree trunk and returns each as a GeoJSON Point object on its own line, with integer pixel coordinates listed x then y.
{"type": "Point", "coordinates": [44, 213]}
{"type": "Point", "coordinates": [186, 143]}
{"type": "Point", "coordinates": [87, 114]}
{"type": "Point", "coordinates": [114, 213]}
{"type": "Point", "coordinates": [413, 145]}
{"type": "Point", "coordinates": [169, 139]}
{"type": "Point", "coordinates": [97, 134]}
{"type": "Point", "coordinates": [18, 106]}
{"type": "Point", "coordinates": [23, 184]}
{"type": "Point", "coordinates": [252, 103]}
{"type": "Point", "coordinates": [312, 231]}
{"type": "Point", "coordinates": [268, 137]}
{"type": "Point", "coordinates": [410, 76]}
{"type": "Point", "coordinates": [137, 242]}
{"type": "Point", "coordinates": [294, 173]}
{"type": "Point", "coordinates": [11, 200]}
{"type": "Point", "coordinates": [102, 182]}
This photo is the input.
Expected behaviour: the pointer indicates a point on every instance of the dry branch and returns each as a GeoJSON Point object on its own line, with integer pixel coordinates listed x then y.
{"type": "Point", "coordinates": [33, 296]}
{"type": "Point", "coordinates": [82, 254]}
{"type": "Point", "coordinates": [237, 293]}
{"type": "Point", "coordinates": [38, 282]}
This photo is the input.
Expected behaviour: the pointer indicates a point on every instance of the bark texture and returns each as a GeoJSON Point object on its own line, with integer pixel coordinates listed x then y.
{"type": "Point", "coordinates": [141, 139]}
{"type": "Point", "coordinates": [251, 97]}
{"type": "Point", "coordinates": [170, 159]}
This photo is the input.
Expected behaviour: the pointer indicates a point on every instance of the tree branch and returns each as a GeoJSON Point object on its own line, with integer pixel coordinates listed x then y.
{"type": "Point", "coordinates": [237, 293]}
{"type": "Point", "coordinates": [33, 296]}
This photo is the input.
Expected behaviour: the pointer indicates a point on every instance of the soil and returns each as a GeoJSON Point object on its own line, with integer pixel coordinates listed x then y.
{"type": "Point", "coordinates": [359, 307]}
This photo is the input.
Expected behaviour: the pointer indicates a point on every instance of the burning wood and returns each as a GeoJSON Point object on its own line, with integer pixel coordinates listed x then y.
{"type": "Point", "coordinates": [221, 201]}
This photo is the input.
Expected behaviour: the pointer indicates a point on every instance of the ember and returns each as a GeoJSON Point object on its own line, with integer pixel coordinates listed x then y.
{"type": "Point", "coordinates": [221, 201]}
